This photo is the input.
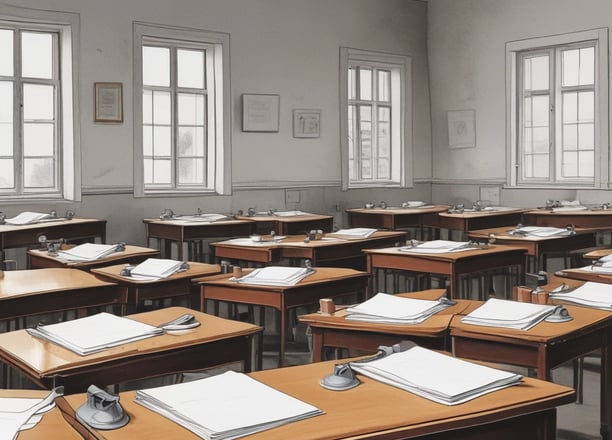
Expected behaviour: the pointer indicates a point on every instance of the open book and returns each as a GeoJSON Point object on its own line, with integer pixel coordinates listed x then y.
{"type": "Point", "coordinates": [390, 309]}
{"type": "Point", "coordinates": [276, 276]}
{"type": "Point", "coordinates": [436, 376]}
{"type": "Point", "coordinates": [225, 406]}
{"type": "Point", "coordinates": [590, 294]}
{"type": "Point", "coordinates": [508, 314]}
{"type": "Point", "coordinates": [95, 333]}
{"type": "Point", "coordinates": [354, 232]}
{"type": "Point", "coordinates": [157, 268]}
{"type": "Point", "coordinates": [88, 251]}
{"type": "Point", "coordinates": [437, 247]}
{"type": "Point", "coordinates": [28, 218]}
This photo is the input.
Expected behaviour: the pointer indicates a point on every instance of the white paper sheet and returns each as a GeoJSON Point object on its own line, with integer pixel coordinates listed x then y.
{"type": "Point", "coordinates": [508, 314]}
{"type": "Point", "coordinates": [87, 252]}
{"type": "Point", "coordinates": [386, 308]}
{"type": "Point", "coordinates": [27, 218]}
{"type": "Point", "coordinates": [276, 276]}
{"type": "Point", "coordinates": [437, 247]}
{"type": "Point", "coordinates": [591, 294]}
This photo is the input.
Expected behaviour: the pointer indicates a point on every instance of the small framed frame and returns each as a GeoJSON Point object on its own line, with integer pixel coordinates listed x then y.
{"type": "Point", "coordinates": [260, 112]}
{"type": "Point", "coordinates": [108, 102]}
{"type": "Point", "coordinates": [306, 123]}
{"type": "Point", "coordinates": [462, 129]}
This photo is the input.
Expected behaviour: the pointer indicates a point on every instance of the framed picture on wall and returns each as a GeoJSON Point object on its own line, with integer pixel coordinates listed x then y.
{"type": "Point", "coordinates": [462, 129]}
{"type": "Point", "coordinates": [108, 102]}
{"type": "Point", "coordinates": [306, 123]}
{"type": "Point", "coordinates": [260, 112]}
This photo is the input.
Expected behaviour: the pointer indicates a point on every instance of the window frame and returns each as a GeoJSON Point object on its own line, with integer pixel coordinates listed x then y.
{"type": "Point", "coordinates": [218, 107]}
{"type": "Point", "coordinates": [514, 148]}
{"type": "Point", "coordinates": [402, 121]}
{"type": "Point", "coordinates": [68, 149]}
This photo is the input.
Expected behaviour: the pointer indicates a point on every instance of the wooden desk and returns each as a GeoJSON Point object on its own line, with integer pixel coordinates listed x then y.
{"type": "Point", "coordinates": [596, 219]}
{"type": "Point", "coordinates": [538, 247]}
{"type": "Point", "coordinates": [12, 237]}
{"type": "Point", "coordinates": [544, 347]}
{"type": "Point", "coordinates": [578, 273]}
{"type": "Point", "coordinates": [39, 291]}
{"type": "Point", "coordinates": [324, 283]}
{"type": "Point", "coordinates": [293, 225]}
{"type": "Point", "coordinates": [596, 254]}
{"type": "Point", "coordinates": [392, 217]}
{"type": "Point", "coordinates": [329, 251]}
{"type": "Point", "coordinates": [453, 265]}
{"type": "Point", "coordinates": [183, 232]}
{"type": "Point", "coordinates": [176, 285]}
{"type": "Point", "coordinates": [132, 255]}
{"type": "Point", "coordinates": [371, 410]}
{"type": "Point", "coordinates": [471, 219]}
{"type": "Point", "coordinates": [338, 332]}
{"type": "Point", "coordinates": [216, 342]}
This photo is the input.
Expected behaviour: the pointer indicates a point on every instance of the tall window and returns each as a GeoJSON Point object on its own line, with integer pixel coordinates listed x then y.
{"type": "Point", "coordinates": [558, 129]}
{"type": "Point", "coordinates": [37, 135]}
{"type": "Point", "coordinates": [182, 138]}
{"type": "Point", "coordinates": [374, 107]}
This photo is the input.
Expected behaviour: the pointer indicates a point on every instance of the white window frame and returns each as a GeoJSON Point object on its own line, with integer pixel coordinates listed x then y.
{"type": "Point", "coordinates": [219, 133]}
{"type": "Point", "coordinates": [401, 118]}
{"type": "Point", "coordinates": [67, 25]}
{"type": "Point", "coordinates": [602, 124]}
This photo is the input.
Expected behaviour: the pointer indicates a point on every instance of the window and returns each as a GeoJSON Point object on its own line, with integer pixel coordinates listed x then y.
{"type": "Point", "coordinates": [38, 128]}
{"type": "Point", "coordinates": [376, 102]}
{"type": "Point", "coordinates": [182, 102]}
{"type": "Point", "coordinates": [559, 110]}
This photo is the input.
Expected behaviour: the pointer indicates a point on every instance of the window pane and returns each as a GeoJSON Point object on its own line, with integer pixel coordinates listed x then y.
{"type": "Point", "coordinates": [148, 171]}
{"type": "Point", "coordinates": [535, 73]}
{"type": "Point", "coordinates": [38, 102]}
{"type": "Point", "coordinates": [191, 171]}
{"type": "Point", "coordinates": [570, 107]}
{"type": "Point", "coordinates": [384, 85]}
{"type": "Point", "coordinates": [586, 106]}
{"type": "Point", "coordinates": [365, 83]}
{"type": "Point", "coordinates": [6, 98]}
{"type": "Point", "coordinates": [147, 140]}
{"type": "Point", "coordinates": [586, 136]}
{"type": "Point", "coordinates": [384, 134]}
{"type": "Point", "coordinates": [190, 68]}
{"type": "Point", "coordinates": [351, 141]}
{"type": "Point", "coordinates": [536, 166]}
{"type": "Point", "coordinates": [570, 137]}
{"type": "Point", "coordinates": [541, 140]}
{"type": "Point", "coordinates": [587, 66]}
{"type": "Point", "coordinates": [162, 172]}
{"type": "Point", "coordinates": [586, 163]}
{"type": "Point", "coordinates": [38, 172]}
{"type": "Point", "coordinates": [36, 55]}
{"type": "Point", "coordinates": [162, 141]}
{"type": "Point", "coordinates": [528, 140]}
{"type": "Point", "coordinates": [38, 140]}
{"type": "Point", "coordinates": [365, 137]}
{"type": "Point", "coordinates": [191, 141]}
{"type": "Point", "coordinates": [384, 169]}
{"type": "Point", "coordinates": [147, 107]}
{"type": "Point", "coordinates": [161, 108]}
{"type": "Point", "coordinates": [156, 66]}
{"type": "Point", "coordinates": [6, 52]}
{"type": "Point", "coordinates": [571, 67]}
{"type": "Point", "coordinates": [527, 114]}
{"type": "Point", "coordinates": [540, 111]}
{"type": "Point", "coordinates": [191, 109]}
{"type": "Point", "coordinates": [570, 164]}
{"type": "Point", "coordinates": [6, 139]}
{"type": "Point", "coordinates": [351, 83]}
{"type": "Point", "coordinates": [7, 177]}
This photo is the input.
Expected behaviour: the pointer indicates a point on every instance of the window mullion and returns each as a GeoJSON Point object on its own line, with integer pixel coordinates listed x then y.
{"type": "Point", "coordinates": [18, 114]}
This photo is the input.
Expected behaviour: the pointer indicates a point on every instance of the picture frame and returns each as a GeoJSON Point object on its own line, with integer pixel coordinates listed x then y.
{"type": "Point", "coordinates": [306, 123]}
{"type": "Point", "coordinates": [108, 102]}
{"type": "Point", "coordinates": [260, 112]}
{"type": "Point", "coordinates": [462, 129]}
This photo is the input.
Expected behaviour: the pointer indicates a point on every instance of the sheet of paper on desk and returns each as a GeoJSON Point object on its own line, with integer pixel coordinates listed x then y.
{"type": "Point", "coordinates": [87, 252]}
{"type": "Point", "coordinates": [17, 414]}
{"type": "Point", "coordinates": [391, 309]}
{"type": "Point", "coordinates": [542, 231]}
{"type": "Point", "coordinates": [156, 268]}
{"type": "Point", "coordinates": [95, 333]}
{"type": "Point", "coordinates": [590, 294]}
{"type": "Point", "coordinates": [27, 218]}
{"type": "Point", "coordinates": [202, 218]}
{"type": "Point", "coordinates": [276, 276]}
{"type": "Point", "coordinates": [290, 213]}
{"type": "Point", "coordinates": [508, 314]}
{"type": "Point", "coordinates": [225, 406]}
{"type": "Point", "coordinates": [437, 247]}
{"type": "Point", "coordinates": [354, 232]}
{"type": "Point", "coordinates": [436, 376]}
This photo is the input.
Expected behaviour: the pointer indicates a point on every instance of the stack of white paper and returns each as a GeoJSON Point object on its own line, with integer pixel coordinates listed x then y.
{"type": "Point", "coordinates": [276, 276]}
{"type": "Point", "coordinates": [226, 406]}
{"type": "Point", "coordinates": [87, 252]}
{"type": "Point", "coordinates": [95, 333]}
{"type": "Point", "coordinates": [290, 213]}
{"type": "Point", "coordinates": [590, 294]}
{"type": "Point", "coordinates": [540, 231]}
{"type": "Point", "coordinates": [202, 218]}
{"type": "Point", "coordinates": [391, 309]}
{"type": "Point", "coordinates": [355, 232]}
{"type": "Point", "coordinates": [413, 204]}
{"type": "Point", "coordinates": [27, 218]}
{"type": "Point", "coordinates": [156, 269]}
{"type": "Point", "coordinates": [18, 414]}
{"type": "Point", "coordinates": [436, 376]}
{"type": "Point", "coordinates": [508, 314]}
{"type": "Point", "coordinates": [437, 247]}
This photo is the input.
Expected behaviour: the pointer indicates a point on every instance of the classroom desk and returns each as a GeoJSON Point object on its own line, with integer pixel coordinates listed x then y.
{"type": "Point", "coordinates": [337, 332]}
{"type": "Point", "coordinates": [290, 225]}
{"type": "Point", "coordinates": [471, 219]}
{"type": "Point", "coordinates": [580, 273]}
{"type": "Point", "coordinates": [453, 265]}
{"type": "Point", "coordinates": [544, 347]}
{"type": "Point", "coordinates": [12, 236]}
{"type": "Point", "coordinates": [392, 217]}
{"type": "Point", "coordinates": [182, 232]}
{"type": "Point", "coordinates": [176, 285]}
{"type": "Point", "coordinates": [538, 247]}
{"type": "Point", "coordinates": [329, 251]}
{"type": "Point", "coordinates": [594, 218]}
{"type": "Point", "coordinates": [596, 254]}
{"type": "Point", "coordinates": [326, 282]}
{"type": "Point", "coordinates": [372, 410]}
{"type": "Point", "coordinates": [216, 342]}
{"type": "Point", "coordinates": [40, 258]}
{"type": "Point", "coordinates": [39, 291]}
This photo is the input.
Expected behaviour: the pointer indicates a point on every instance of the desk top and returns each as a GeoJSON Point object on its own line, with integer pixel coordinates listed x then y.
{"type": "Point", "coordinates": [503, 233]}
{"type": "Point", "coordinates": [569, 212]}
{"type": "Point", "coordinates": [449, 256]}
{"type": "Point", "coordinates": [129, 252]}
{"type": "Point", "coordinates": [188, 223]}
{"type": "Point", "coordinates": [284, 219]}
{"type": "Point", "coordinates": [195, 270]}
{"type": "Point", "coordinates": [362, 412]}
{"type": "Point", "coordinates": [585, 275]}
{"type": "Point", "coordinates": [37, 281]}
{"type": "Point", "coordinates": [43, 359]}
{"type": "Point", "coordinates": [472, 213]}
{"type": "Point", "coordinates": [398, 210]}
{"type": "Point", "coordinates": [49, 223]}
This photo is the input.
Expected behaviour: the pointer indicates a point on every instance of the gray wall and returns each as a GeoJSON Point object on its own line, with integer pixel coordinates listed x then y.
{"type": "Point", "coordinates": [285, 47]}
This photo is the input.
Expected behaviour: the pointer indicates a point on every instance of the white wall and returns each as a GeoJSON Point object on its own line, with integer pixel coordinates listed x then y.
{"type": "Point", "coordinates": [466, 46]}
{"type": "Point", "coordinates": [285, 47]}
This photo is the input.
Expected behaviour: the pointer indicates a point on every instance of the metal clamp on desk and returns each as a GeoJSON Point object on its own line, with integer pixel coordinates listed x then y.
{"type": "Point", "coordinates": [102, 410]}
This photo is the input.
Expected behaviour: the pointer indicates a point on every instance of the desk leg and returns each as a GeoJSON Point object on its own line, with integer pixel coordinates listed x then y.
{"type": "Point", "coordinates": [605, 387]}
